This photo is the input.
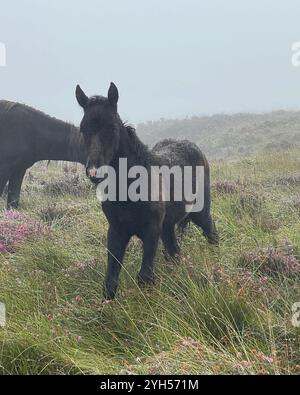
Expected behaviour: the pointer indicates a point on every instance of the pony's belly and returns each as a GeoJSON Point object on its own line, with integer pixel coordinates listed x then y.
{"type": "Point", "coordinates": [133, 218]}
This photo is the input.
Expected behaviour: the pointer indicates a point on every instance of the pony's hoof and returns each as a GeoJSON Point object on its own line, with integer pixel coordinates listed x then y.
{"type": "Point", "coordinates": [109, 295]}
{"type": "Point", "coordinates": [214, 239]}
{"type": "Point", "coordinates": [107, 301]}
{"type": "Point", "coordinates": [145, 279]}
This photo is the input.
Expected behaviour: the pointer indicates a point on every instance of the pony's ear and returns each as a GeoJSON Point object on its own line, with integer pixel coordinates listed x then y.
{"type": "Point", "coordinates": [113, 94]}
{"type": "Point", "coordinates": [81, 97]}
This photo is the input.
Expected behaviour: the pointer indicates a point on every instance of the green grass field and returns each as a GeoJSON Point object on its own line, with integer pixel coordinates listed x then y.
{"type": "Point", "coordinates": [220, 310]}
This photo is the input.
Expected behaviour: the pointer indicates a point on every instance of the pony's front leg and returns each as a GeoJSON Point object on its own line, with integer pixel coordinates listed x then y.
{"type": "Point", "coordinates": [116, 245]}
{"type": "Point", "coordinates": [150, 243]}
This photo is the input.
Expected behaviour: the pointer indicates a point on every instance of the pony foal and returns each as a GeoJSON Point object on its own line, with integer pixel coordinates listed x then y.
{"type": "Point", "coordinates": [107, 140]}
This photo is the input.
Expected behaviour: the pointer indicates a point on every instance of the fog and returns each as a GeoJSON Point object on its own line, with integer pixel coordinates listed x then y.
{"type": "Point", "coordinates": [171, 58]}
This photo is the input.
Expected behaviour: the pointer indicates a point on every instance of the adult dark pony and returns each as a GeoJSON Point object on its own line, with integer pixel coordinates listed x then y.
{"type": "Point", "coordinates": [107, 139]}
{"type": "Point", "coordinates": [27, 136]}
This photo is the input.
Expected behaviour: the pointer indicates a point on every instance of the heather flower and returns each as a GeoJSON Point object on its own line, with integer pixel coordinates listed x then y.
{"type": "Point", "coordinates": [246, 281]}
{"type": "Point", "coordinates": [267, 359]}
{"type": "Point", "coordinates": [77, 299]}
{"type": "Point", "coordinates": [264, 358]}
{"type": "Point", "coordinates": [251, 284]}
{"type": "Point", "coordinates": [78, 268]}
{"type": "Point", "coordinates": [12, 214]}
{"type": "Point", "coordinates": [217, 274]}
{"type": "Point", "coordinates": [67, 184]}
{"type": "Point", "coordinates": [3, 247]}
{"type": "Point", "coordinates": [188, 342]}
{"type": "Point", "coordinates": [16, 227]}
{"type": "Point", "coordinates": [226, 186]}
{"type": "Point", "coordinates": [272, 261]}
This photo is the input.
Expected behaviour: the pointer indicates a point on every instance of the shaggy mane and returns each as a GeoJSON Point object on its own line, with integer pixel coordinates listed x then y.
{"type": "Point", "coordinates": [141, 150]}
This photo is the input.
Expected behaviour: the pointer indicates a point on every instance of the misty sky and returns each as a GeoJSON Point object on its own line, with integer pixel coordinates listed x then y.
{"type": "Point", "coordinates": [169, 58]}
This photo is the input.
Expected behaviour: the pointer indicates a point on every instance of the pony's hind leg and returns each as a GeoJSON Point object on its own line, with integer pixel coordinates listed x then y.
{"type": "Point", "coordinates": [14, 188]}
{"type": "Point", "coordinates": [4, 177]}
{"type": "Point", "coordinates": [170, 241]}
{"type": "Point", "coordinates": [183, 225]}
{"type": "Point", "coordinates": [3, 181]}
{"type": "Point", "coordinates": [204, 220]}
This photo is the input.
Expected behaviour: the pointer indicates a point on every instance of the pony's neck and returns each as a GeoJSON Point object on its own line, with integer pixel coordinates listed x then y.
{"type": "Point", "coordinates": [76, 147]}
{"type": "Point", "coordinates": [61, 141]}
{"type": "Point", "coordinates": [131, 148]}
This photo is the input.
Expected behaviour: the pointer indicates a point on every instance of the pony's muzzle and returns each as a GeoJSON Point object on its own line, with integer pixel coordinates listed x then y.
{"type": "Point", "coordinates": [91, 172]}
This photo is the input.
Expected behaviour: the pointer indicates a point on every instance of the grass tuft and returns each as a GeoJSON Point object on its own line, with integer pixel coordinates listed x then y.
{"type": "Point", "coordinates": [220, 310]}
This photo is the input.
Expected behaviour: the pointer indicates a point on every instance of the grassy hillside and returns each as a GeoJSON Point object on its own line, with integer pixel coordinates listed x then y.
{"type": "Point", "coordinates": [223, 309]}
{"type": "Point", "coordinates": [222, 136]}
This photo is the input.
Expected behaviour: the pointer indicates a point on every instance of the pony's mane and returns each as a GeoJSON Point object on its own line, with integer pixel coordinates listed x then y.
{"type": "Point", "coordinates": [141, 150]}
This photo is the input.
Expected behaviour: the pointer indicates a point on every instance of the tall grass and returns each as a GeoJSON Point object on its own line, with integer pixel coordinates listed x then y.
{"type": "Point", "coordinates": [215, 312]}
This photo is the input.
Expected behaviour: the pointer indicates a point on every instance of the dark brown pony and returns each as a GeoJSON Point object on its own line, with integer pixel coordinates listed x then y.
{"type": "Point", "coordinates": [28, 136]}
{"type": "Point", "coordinates": [107, 139]}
